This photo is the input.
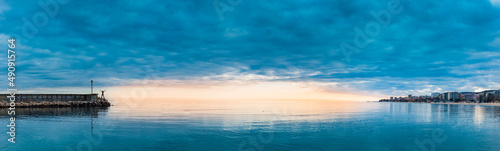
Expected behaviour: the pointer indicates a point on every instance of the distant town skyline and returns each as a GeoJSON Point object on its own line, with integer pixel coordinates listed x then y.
{"type": "Point", "coordinates": [486, 96]}
{"type": "Point", "coordinates": [437, 93]}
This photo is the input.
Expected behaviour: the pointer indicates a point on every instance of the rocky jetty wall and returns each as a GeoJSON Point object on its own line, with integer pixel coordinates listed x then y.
{"type": "Point", "coordinates": [54, 100]}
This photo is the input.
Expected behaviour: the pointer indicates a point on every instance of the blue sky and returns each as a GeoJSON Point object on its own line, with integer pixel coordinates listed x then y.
{"type": "Point", "coordinates": [427, 46]}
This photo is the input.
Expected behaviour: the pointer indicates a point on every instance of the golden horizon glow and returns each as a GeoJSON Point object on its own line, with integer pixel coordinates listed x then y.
{"type": "Point", "coordinates": [235, 91]}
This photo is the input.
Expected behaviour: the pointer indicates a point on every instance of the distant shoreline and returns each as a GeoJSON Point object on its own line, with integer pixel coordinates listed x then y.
{"type": "Point", "coordinates": [486, 104]}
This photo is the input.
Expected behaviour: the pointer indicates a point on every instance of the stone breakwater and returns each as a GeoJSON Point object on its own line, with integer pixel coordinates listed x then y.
{"type": "Point", "coordinates": [52, 100]}
{"type": "Point", "coordinates": [5, 104]}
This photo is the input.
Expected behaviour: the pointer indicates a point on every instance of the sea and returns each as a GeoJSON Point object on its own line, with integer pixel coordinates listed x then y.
{"type": "Point", "coordinates": [236, 125]}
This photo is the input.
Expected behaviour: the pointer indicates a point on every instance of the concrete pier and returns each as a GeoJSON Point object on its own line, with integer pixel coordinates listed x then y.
{"type": "Point", "coordinates": [51, 97]}
{"type": "Point", "coordinates": [54, 100]}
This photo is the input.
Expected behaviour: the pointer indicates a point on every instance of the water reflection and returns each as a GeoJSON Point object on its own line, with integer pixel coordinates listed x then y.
{"type": "Point", "coordinates": [254, 113]}
{"type": "Point", "coordinates": [89, 114]}
{"type": "Point", "coordinates": [63, 111]}
{"type": "Point", "coordinates": [248, 114]}
{"type": "Point", "coordinates": [477, 115]}
{"type": "Point", "coordinates": [239, 115]}
{"type": "Point", "coordinates": [189, 108]}
{"type": "Point", "coordinates": [285, 125]}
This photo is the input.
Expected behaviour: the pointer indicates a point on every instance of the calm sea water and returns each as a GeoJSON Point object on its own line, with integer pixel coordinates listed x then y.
{"type": "Point", "coordinates": [257, 125]}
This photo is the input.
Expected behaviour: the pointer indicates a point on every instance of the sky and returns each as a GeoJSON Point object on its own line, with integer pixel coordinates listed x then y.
{"type": "Point", "coordinates": [366, 48]}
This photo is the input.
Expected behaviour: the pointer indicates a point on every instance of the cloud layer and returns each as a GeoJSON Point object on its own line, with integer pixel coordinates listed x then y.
{"type": "Point", "coordinates": [429, 46]}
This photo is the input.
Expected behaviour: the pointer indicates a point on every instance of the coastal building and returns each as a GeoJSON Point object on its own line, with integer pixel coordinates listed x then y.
{"type": "Point", "coordinates": [477, 96]}
{"type": "Point", "coordinates": [435, 99]}
{"type": "Point", "coordinates": [436, 94]}
{"type": "Point", "coordinates": [489, 93]}
{"type": "Point", "coordinates": [467, 96]}
{"type": "Point", "coordinates": [441, 97]}
{"type": "Point", "coordinates": [451, 96]}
